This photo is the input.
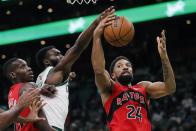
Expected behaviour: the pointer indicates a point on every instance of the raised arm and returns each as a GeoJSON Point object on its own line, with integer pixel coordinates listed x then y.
{"type": "Point", "coordinates": [8, 117]}
{"type": "Point", "coordinates": [63, 68]}
{"type": "Point", "coordinates": [168, 86]}
{"type": "Point", "coordinates": [102, 77]}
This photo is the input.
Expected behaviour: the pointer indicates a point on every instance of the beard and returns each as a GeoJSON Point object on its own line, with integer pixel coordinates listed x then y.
{"type": "Point", "coordinates": [125, 79]}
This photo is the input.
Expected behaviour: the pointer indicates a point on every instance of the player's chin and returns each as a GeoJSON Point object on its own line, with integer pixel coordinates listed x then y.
{"type": "Point", "coordinates": [30, 78]}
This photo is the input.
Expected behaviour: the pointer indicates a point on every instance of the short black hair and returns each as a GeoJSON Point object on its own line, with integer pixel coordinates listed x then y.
{"type": "Point", "coordinates": [116, 60]}
{"type": "Point", "coordinates": [7, 66]}
{"type": "Point", "coordinates": [40, 56]}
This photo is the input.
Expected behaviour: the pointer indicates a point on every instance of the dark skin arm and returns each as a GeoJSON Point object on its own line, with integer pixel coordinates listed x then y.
{"type": "Point", "coordinates": [42, 125]}
{"type": "Point", "coordinates": [102, 77]}
{"type": "Point", "coordinates": [63, 68]}
{"type": "Point", "coordinates": [35, 107]}
{"type": "Point", "coordinates": [168, 86]}
{"type": "Point", "coordinates": [8, 117]}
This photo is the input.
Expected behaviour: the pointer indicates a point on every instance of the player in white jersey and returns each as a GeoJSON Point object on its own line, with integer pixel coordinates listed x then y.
{"type": "Point", "coordinates": [57, 68]}
{"type": "Point", "coordinates": [57, 107]}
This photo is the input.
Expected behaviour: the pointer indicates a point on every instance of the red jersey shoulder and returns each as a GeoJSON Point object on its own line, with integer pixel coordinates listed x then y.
{"type": "Point", "coordinates": [139, 88]}
{"type": "Point", "coordinates": [13, 95]}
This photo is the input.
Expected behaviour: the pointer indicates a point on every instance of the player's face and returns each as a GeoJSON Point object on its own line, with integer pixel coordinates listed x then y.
{"type": "Point", "coordinates": [54, 56]}
{"type": "Point", "coordinates": [22, 72]}
{"type": "Point", "coordinates": [123, 72]}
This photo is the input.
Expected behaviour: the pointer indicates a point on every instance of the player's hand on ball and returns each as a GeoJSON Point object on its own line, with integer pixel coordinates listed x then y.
{"type": "Point", "coordinates": [105, 22]}
{"type": "Point", "coordinates": [161, 41]}
{"type": "Point", "coordinates": [105, 13]}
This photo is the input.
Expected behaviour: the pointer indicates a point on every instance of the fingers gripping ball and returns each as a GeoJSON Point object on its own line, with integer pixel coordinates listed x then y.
{"type": "Point", "coordinates": [120, 33]}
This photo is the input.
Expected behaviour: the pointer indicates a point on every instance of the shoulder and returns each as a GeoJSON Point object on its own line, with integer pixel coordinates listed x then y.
{"type": "Point", "coordinates": [42, 76]}
{"type": "Point", "coordinates": [47, 70]}
{"type": "Point", "coordinates": [26, 86]}
{"type": "Point", "coordinates": [144, 83]}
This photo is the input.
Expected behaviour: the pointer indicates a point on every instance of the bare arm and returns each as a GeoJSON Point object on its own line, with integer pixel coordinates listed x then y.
{"type": "Point", "coordinates": [102, 77]}
{"type": "Point", "coordinates": [160, 89]}
{"type": "Point", "coordinates": [63, 68]}
{"type": "Point", "coordinates": [35, 107]}
{"type": "Point", "coordinates": [42, 125]}
{"type": "Point", "coordinates": [8, 117]}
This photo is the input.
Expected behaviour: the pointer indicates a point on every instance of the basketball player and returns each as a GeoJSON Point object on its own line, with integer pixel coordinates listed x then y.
{"type": "Point", "coordinates": [21, 75]}
{"type": "Point", "coordinates": [126, 105]}
{"type": "Point", "coordinates": [27, 99]}
{"type": "Point", "coordinates": [57, 68]}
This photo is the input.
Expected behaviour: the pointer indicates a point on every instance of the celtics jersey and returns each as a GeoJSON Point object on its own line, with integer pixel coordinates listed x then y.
{"type": "Point", "coordinates": [56, 109]}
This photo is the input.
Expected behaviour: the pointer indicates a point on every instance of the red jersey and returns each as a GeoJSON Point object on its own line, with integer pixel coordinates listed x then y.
{"type": "Point", "coordinates": [127, 109]}
{"type": "Point", "coordinates": [13, 97]}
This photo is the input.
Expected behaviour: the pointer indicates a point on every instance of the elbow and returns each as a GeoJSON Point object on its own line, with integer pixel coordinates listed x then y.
{"type": "Point", "coordinates": [172, 89]}
{"type": "Point", "coordinates": [98, 71]}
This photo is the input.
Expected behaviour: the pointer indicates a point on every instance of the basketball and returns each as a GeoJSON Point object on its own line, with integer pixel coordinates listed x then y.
{"type": "Point", "coordinates": [120, 33]}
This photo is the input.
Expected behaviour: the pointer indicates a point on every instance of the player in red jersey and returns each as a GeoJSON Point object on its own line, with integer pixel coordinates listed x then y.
{"type": "Point", "coordinates": [21, 76]}
{"type": "Point", "coordinates": [29, 98]}
{"type": "Point", "coordinates": [126, 105]}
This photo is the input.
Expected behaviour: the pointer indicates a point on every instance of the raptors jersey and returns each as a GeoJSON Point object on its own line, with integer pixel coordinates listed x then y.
{"type": "Point", "coordinates": [13, 98]}
{"type": "Point", "coordinates": [127, 109]}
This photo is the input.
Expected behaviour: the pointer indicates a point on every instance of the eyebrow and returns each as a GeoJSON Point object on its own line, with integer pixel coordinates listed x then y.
{"type": "Point", "coordinates": [118, 63]}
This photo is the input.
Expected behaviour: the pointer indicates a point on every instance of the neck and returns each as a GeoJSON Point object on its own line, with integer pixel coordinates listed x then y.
{"type": "Point", "coordinates": [15, 82]}
{"type": "Point", "coordinates": [124, 85]}
{"type": "Point", "coordinates": [47, 65]}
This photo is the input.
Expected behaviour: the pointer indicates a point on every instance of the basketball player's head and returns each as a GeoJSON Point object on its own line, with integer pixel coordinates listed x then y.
{"type": "Point", "coordinates": [17, 70]}
{"type": "Point", "coordinates": [121, 70]}
{"type": "Point", "coordinates": [48, 56]}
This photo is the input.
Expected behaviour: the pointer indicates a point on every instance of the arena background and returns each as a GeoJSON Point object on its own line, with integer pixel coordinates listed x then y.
{"type": "Point", "coordinates": [171, 113]}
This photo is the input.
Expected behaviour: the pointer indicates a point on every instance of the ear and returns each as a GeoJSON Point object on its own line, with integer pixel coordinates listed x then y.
{"type": "Point", "coordinates": [12, 75]}
{"type": "Point", "coordinates": [46, 62]}
{"type": "Point", "coordinates": [113, 76]}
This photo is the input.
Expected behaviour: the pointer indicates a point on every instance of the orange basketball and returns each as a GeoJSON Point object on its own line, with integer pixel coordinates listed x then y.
{"type": "Point", "coordinates": [120, 33]}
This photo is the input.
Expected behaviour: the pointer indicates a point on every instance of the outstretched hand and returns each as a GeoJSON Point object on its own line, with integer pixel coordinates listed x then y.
{"type": "Point", "coordinates": [34, 110]}
{"type": "Point", "coordinates": [105, 22]}
{"type": "Point", "coordinates": [28, 97]}
{"type": "Point", "coordinates": [161, 41]}
{"type": "Point", "coordinates": [104, 14]}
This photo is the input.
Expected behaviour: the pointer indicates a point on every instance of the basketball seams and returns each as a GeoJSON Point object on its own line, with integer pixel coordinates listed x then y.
{"type": "Point", "coordinates": [115, 36]}
{"type": "Point", "coordinates": [122, 32]}
{"type": "Point", "coordinates": [121, 37]}
{"type": "Point", "coordinates": [121, 26]}
{"type": "Point", "coordinates": [108, 35]}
